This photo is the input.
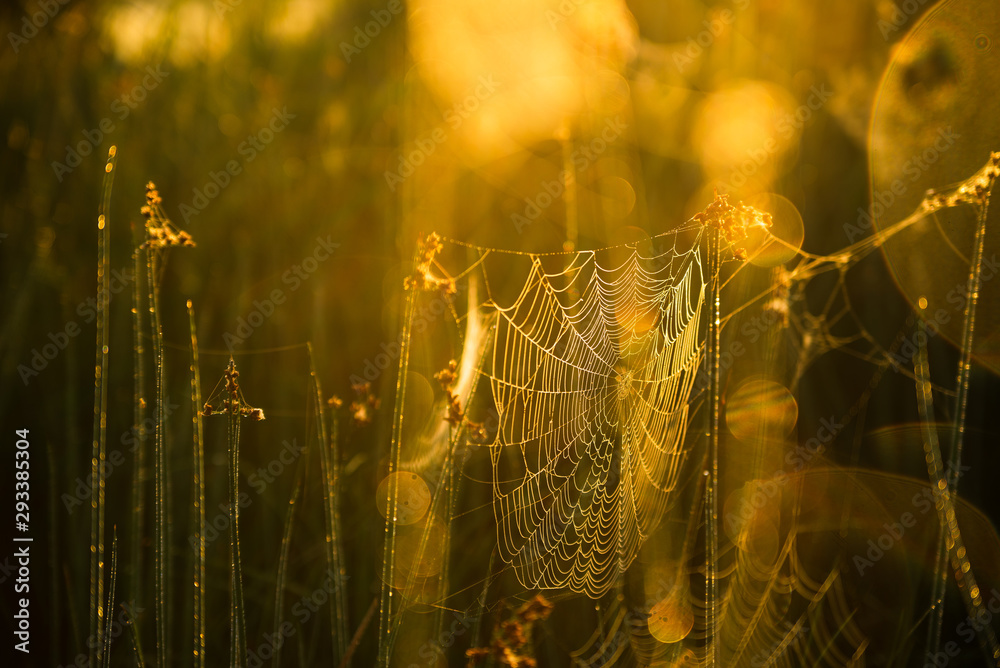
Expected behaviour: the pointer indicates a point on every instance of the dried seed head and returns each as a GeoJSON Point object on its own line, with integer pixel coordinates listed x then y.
{"type": "Point", "coordinates": [423, 277]}
{"type": "Point", "coordinates": [736, 222]}
{"type": "Point", "coordinates": [230, 398]}
{"type": "Point", "coordinates": [160, 232]}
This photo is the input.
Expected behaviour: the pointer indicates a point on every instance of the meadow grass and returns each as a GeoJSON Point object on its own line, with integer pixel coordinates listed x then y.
{"type": "Point", "coordinates": [99, 443]}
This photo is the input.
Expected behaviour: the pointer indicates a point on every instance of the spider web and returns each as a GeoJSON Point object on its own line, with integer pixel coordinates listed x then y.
{"type": "Point", "coordinates": [591, 367]}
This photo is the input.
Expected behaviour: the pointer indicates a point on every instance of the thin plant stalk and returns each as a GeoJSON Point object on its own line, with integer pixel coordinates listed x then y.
{"type": "Point", "coordinates": [160, 235]}
{"type": "Point", "coordinates": [133, 633]}
{"type": "Point", "coordinates": [445, 496]}
{"type": "Point", "coordinates": [945, 500]}
{"type": "Point", "coordinates": [329, 469]}
{"type": "Point", "coordinates": [949, 525]}
{"type": "Point", "coordinates": [336, 547]}
{"type": "Point", "coordinates": [99, 444]}
{"type": "Point", "coordinates": [386, 605]}
{"type": "Point", "coordinates": [159, 464]}
{"type": "Point", "coordinates": [711, 489]}
{"type": "Point", "coordinates": [139, 429]}
{"type": "Point", "coordinates": [104, 652]}
{"type": "Point", "coordinates": [356, 639]}
{"type": "Point", "coordinates": [282, 575]}
{"type": "Point", "coordinates": [238, 646]}
{"type": "Point", "coordinates": [198, 584]}
{"type": "Point", "coordinates": [479, 612]}
{"type": "Point", "coordinates": [234, 408]}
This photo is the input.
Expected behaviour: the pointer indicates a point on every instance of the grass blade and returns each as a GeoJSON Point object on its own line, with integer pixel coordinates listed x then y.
{"type": "Point", "coordinates": [282, 575]}
{"type": "Point", "coordinates": [159, 464]}
{"type": "Point", "coordinates": [711, 501]}
{"type": "Point", "coordinates": [160, 236]}
{"type": "Point", "coordinates": [133, 633]}
{"type": "Point", "coordinates": [99, 444]}
{"type": "Point", "coordinates": [104, 653]}
{"type": "Point", "coordinates": [356, 640]}
{"type": "Point", "coordinates": [386, 607]}
{"type": "Point", "coordinates": [199, 497]}
{"type": "Point", "coordinates": [238, 647]}
{"type": "Point", "coordinates": [234, 407]}
{"type": "Point", "coordinates": [139, 421]}
{"type": "Point", "coordinates": [237, 611]}
{"type": "Point", "coordinates": [329, 467]}
{"type": "Point", "coordinates": [945, 481]}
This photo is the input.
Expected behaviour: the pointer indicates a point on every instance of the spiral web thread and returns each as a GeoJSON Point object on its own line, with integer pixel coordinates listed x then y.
{"type": "Point", "coordinates": [591, 370]}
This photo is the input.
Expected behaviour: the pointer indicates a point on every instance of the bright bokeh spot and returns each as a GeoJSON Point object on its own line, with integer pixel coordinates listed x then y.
{"type": "Point", "coordinates": [617, 198]}
{"type": "Point", "coordinates": [761, 408]}
{"type": "Point", "coordinates": [133, 30]}
{"type": "Point", "coordinates": [671, 619]}
{"type": "Point", "coordinates": [779, 244]}
{"type": "Point", "coordinates": [412, 493]}
{"type": "Point", "coordinates": [299, 19]}
{"type": "Point", "coordinates": [205, 35]}
{"type": "Point", "coordinates": [741, 133]}
{"type": "Point", "coordinates": [524, 67]}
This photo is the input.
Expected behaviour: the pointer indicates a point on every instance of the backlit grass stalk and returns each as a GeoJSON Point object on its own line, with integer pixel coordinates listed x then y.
{"type": "Point", "coordinates": [358, 634]}
{"type": "Point", "coordinates": [99, 443]}
{"type": "Point", "coordinates": [388, 565]}
{"type": "Point", "coordinates": [478, 613]}
{"type": "Point", "coordinates": [161, 235]}
{"type": "Point", "coordinates": [104, 652]}
{"type": "Point", "coordinates": [339, 592]}
{"type": "Point", "coordinates": [949, 526]}
{"type": "Point", "coordinates": [238, 647]}
{"type": "Point", "coordinates": [198, 584]}
{"type": "Point", "coordinates": [329, 459]}
{"type": "Point", "coordinates": [133, 633]}
{"type": "Point", "coordinates": [711, 490]}
{"type": "Point", "coordinates": [139, 431]}
{"type": "Point", "coordinates": [282, 575]}
{"type": "Point", "coordinates": [159, 464]}
{"type": "Point", "coordinates": [445, 496]}
{"type": "Point", "coordinates": [234, 407]}
{"type": "Point", "coordinates": [945, 503]}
